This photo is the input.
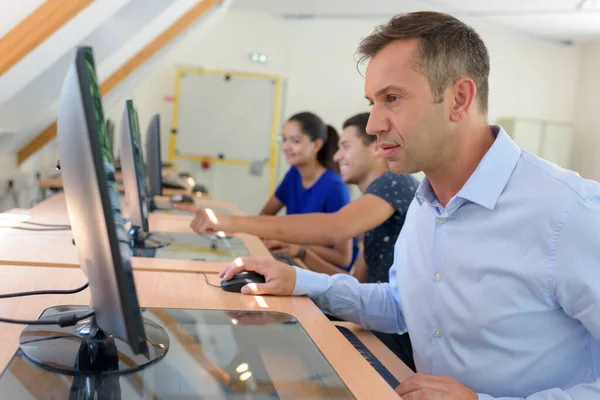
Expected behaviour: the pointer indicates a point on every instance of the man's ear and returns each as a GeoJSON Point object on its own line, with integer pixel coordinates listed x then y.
{"type": "Point", "coordinates": [463, 94]}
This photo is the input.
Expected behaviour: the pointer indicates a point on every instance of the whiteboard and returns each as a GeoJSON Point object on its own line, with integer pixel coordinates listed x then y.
{"type": "Point", "coordinates": [225, 116]}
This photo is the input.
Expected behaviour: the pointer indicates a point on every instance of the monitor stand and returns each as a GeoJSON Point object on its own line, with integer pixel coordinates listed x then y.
{"type": "Point", "coordinates": [142, 240]}
{"type": "Point", "coordinates": [84, 349]}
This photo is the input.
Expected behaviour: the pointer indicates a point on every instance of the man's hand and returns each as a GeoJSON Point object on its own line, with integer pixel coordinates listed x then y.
{"type": "Point", "coordinates": [292, 250]}
{"type": "Point", "coordinates": [431, 387]}
{"type": "Point", "coordinates": [207, 221]}
{"type": "Point", "coordinates": [280, 278]}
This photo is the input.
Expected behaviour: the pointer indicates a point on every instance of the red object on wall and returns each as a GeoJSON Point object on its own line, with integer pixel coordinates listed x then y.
{"type": "Point", "coordinates": [205, 165]}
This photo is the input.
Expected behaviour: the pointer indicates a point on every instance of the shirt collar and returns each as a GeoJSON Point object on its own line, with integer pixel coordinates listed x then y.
{"type": "Point", "coordinates": [489, 179]}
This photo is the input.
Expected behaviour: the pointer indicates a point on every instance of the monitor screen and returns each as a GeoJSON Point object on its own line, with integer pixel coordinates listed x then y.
{"type": "Point", "coordinates": [88, 173]}
{"type": "Point", "coordinates": [134, 174]}
{"type": "Point", "coordinates": [153, 157]}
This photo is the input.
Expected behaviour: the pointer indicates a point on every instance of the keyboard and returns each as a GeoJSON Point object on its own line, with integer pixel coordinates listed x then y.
{"type": "Point", "coordinates": [284, 258]}
{"type": "Point", "coordinates": [370, 357]}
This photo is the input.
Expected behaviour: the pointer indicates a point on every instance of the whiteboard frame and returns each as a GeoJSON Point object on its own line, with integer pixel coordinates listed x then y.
{"type": "Point", "coordinates": [273, 153]}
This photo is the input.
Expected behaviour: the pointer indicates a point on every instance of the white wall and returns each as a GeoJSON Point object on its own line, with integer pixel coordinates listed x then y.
{"type": "Point", "coordinates": [224, 43]}
{"type": "Point", "coordinates": [114, 41]}
{"type": "Point", "coordinates": [586, 145]}
{"type": "Point", "coordinates": [530, 77]}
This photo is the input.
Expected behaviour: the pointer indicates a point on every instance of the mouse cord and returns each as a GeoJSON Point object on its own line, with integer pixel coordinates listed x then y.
{"type": "Point", "coordinates": [207, 282]}
{"type": "Point", "coordinates": [67, 320]}
{"type": "Point", "coordinates": [44, 292]}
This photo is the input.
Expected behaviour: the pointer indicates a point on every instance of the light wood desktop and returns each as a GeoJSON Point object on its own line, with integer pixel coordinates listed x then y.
{"type": "Point", "coordinates": [55, 206]}
{"type": "Point", "coordinates": [55, 248]}
{"type": "Point", "coordinates": [56, 183]}
{"type": "Point", "coordinates": [162, 289]}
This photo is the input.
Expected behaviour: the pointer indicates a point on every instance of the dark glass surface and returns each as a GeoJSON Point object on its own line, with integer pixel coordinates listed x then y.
{"type": "Point", "coordinates": [212, 355]}
{"type": "Point", "coordinates": [191, 246]}
{"type": "Point", "coordinates": [84, 349]}
{"type": "Point", "coordinates": [169, 210]}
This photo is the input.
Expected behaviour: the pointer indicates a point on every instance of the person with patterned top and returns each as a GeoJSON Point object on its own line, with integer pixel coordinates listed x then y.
{"type": "Point", "coordinates": [378, 214]}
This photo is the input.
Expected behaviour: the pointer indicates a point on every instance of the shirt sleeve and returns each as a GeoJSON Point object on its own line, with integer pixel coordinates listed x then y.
{"type": "Point", "coordinates": [283, 190]}
{"type": "Point", "coordinates": [397, 190]}
{"type": "Point", "coordinates": [338, 197]}
{"type": "Point", "coordinates": [579, 392]}
{"type": "Point", "coordinates": [575, 276]}
{"type": "Point", "coordinates": [373, 306]}
{"type": "Point", "coordinates": [576, 272]}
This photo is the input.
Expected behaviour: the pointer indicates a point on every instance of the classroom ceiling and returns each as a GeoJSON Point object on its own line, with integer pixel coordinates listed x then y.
{"type": "Point", "coordinates": [116, 29]}
{"type": "Point", "coordinates": [563, 20]}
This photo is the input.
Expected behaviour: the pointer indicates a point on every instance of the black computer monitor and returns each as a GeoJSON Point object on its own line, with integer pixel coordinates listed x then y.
{"type": "Point", "coordinates": [153, 157]}
{"type": "Point", "coordinates": [135, 182]}
{"type": "Point", "coordinates": [94, 209]}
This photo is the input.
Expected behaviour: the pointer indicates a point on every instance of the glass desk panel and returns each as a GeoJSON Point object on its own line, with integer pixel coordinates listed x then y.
{"type": "Point", "coordinates": [191, 246]}
{"type": "Point", "coordinates": [172, 211]}
{"type": "Point", "coordinates": [213, 355]}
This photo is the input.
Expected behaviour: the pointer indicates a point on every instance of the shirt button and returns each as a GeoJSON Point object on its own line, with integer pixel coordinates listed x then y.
{"type": "Point", "coordinates": [442, 220]}
{"type": "Point", "coordinates": [437, 333]}
{"type": "Point", "coordinates": [438, 277]}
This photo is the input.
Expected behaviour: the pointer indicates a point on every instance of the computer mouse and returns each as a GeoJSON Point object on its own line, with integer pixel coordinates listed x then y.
{"type": "Point", "coordinates": [182, 198]}
{"type": "Point", "coordinates": [238, 281]}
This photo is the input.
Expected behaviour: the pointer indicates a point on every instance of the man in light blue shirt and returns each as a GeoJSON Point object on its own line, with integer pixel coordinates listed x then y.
{"type": "Point", "coordinates": [496, 272]}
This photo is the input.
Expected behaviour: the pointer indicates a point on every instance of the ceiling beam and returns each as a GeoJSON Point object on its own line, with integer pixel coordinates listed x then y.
{"type": "Point", "coordinates": [129, 67]}
{"type": "Point", "coordinates": [36, 28]}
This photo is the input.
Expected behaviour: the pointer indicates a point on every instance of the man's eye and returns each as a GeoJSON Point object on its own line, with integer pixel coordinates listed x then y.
{"type": "Point", "coordinates": [391, 98]}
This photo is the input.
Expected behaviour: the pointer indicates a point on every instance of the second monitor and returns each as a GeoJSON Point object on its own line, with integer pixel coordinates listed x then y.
{"type": "Point", "coordinates": [186, 246]}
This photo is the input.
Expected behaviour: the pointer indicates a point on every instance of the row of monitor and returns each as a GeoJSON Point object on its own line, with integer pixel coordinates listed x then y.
{"type": "Point", "coordinates": [153, 149]}
{"type": "Point", "coordinates": [103, 243]}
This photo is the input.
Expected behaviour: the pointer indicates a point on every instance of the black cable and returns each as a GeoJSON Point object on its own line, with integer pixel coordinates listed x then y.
{"type": "Point", "coordinates": [46, 225]}
{"type": "Point", "coordinates": [207, 282]}
{"type": "Point", "coordinates": [42, 292]}
{"type": "Point", "coordinates": [69, 320]}
{"type": "Point", "coordinates": [38, 230]}
{"type": "Point", "coordinates": [47, 339]}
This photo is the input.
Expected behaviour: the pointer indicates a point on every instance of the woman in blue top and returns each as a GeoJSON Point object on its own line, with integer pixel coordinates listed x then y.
{"type": "Point", "coordinates": [312, 184]}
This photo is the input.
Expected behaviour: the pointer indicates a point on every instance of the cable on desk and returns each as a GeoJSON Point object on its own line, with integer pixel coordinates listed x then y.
{"type": "Point", "coordinates": [42, 292]}
{"type": "Point", "coordinates": [62, 321]}
{"type": "Point", "coordinates": [46, 225]}
{"type": "Point", "coordinates": [38, 229]}
{"type": "Point", "coordinates": [207, 282]}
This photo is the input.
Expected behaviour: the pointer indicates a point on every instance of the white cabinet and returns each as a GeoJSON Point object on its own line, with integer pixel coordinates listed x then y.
{"type": "Point", "coordinates": [546, 139]}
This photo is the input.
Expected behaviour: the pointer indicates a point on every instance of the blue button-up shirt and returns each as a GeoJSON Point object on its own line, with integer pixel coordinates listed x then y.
{"type": "Point", "coordinates": [500, 289]}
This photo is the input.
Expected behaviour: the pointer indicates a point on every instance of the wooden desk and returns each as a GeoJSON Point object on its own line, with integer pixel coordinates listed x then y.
{"type": "Point", "coordinates": [56, 183]}
{"type": "Point", "coordinates": [160, 289]}
{"type": "Point", "coordinates": [201, 202]}
{"type": "Point", "coordinates": [55, 248]}
{"type": "Point", "coordinates": [51, 183]}
{"type": "Point", "coordinates": [55, 206]}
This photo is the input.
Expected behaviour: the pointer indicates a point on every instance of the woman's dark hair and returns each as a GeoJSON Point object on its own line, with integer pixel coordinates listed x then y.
{"type": "Point", "coordinates": [315, 128]}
